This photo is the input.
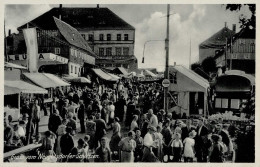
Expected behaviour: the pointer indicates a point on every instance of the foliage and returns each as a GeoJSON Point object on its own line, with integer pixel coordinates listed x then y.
{"type": "Point", "coordinates": [245, 22]}
{"type": "Point", "coordinates": [209, 65]}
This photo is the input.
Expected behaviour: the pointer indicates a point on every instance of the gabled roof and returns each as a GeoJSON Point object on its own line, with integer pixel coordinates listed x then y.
{"type": "Point", "coordinates": [218, 40]}
{"type": "Point", "coordinates": [191, 75]}
{"type": "Point", "coordinates": [82, 18]}
{"type": "Point", "coordinates": [72, 35]}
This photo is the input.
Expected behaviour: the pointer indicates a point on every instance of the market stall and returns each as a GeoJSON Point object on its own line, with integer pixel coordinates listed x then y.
{"type": "Point", "coordinates": [187, 91]}
{"type": "Point", "coordinates": [13, 91]}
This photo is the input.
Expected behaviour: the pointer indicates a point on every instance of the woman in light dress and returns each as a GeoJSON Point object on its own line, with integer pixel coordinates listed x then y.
{"type": "Point", "coordinates": [189, 143]}
{"type": "Point", "coordinates": [60, 131]}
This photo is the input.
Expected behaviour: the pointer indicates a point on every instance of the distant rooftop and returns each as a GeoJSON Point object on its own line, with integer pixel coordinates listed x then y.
{"type": "Point", "coordinates": [81, 19]}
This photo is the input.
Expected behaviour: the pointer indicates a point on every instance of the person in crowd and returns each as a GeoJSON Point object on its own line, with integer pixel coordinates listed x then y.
{"type": "Point", "coordinates": [127, 146]}
{"type": "Point", "coordinates": [129, 113]}
{"type": "Point", "coordinates": [134, 124]}
{"type": "Point", "coordinates": [71, 122]}
{"type": "Point", "coordinates": [53, 106]}
{"type": "Point", "coordinates": [216, 152]}
{"type": "Point", "coordinates": [100, 129]}
{"type": "Point", "coordinates": [60, 132]}
{"type": "Point", "coordinates": [48, 142]}
{"type": "Point", "coordinates": [66, 142]}
{"type": "Point", "coordinates": [189, 142]}
{"type": "Point", "coordinates": [144, 126]}
{"type": "Point", "coordinates": [89, 109]}
{"type": "Point", "coordinates": [158, 148]}
{"type": "Point", "coordinates": [76, 97]}
{"type": "Point", "coordinates": [103, 152]}
{"type": "Point", "coordinates": [177, 147]}
{"type": "Point", "coordinates": [201, 141]}
{"type": "Point", "coordinates": [21, 131]}
{"type": "Point", "coordinates": [86, 147]}
{"type": "Point", "coordinates": [138, 153]}
{"type": "Point", "coordinates": [167, 136]}
{"type": "Point", "coordinates": [153, 121]}
{"type": "Point", "coordinates": [115, 138]}
{"type": "Point", "coordinates": [74, 155]}
{"type": "Point", "coordinates": [36, 115]}
{"type": "Point", "coordinates": [81, 116]}
{"type": "Point", "coordinates": [82, 151]}
{"type": "Point", "coordinates": [91, 130]}
{"type": "Point", "coordinates": [120, 107]}
{"type": "Point", "coordinates": [26, 108]}
{"type": "Point", "coordinates": [16, 137]}
{"type": "Point", "coordinates": [111, 112]}
{"type": "Point", "coordinates": [8, 133]}
{"type": "Point", "coordinates": [224, 135]}
{"type": "Point", "coordinates": [149, 143]}
{"type": "Point", "coordinates": [187, 128]}
{"type": "Point", "coordinates": [64, 109]}
{"type": "Point", "coordinates": [54, 121]}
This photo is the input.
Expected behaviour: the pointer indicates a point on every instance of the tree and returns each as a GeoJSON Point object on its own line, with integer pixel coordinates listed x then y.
{"type": "Point", "coordinates": [195, 65]}
{"type": "Point", "coordinates": [245, 22]}
{"type": "Point", "coordinates": [209, 65]}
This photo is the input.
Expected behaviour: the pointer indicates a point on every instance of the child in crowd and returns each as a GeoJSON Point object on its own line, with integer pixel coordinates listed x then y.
{"type": "Point", "coordinates": [177, 147]}
{"type": "Point", "coordinates": [189, 143]}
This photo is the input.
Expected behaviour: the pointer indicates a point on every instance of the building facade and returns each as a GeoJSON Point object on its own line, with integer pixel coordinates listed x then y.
{"type": "Point", "coordinates": [110, 37]}
{"type": "Point", "coordinates": [216, 42]}
{"type": "Point", "coordinates": [240, 54]}
{"type": "Point", "coordinates": [63, 42]}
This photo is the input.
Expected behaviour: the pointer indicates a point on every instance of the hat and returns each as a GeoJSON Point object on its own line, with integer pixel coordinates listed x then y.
{"type": "Point", "coordinates": [152, 128]}
{"type": "Point", "coordinates": [192, 133]}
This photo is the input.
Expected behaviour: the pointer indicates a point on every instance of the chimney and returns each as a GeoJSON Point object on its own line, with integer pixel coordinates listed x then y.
{"type": "Point", "coordinates": [98, 6]}
{"type": "Point", "coordinates": [60, 8]}
{"type": "Point", "coordinates": [234, 28]}
{"type": "Point", "coordinates": [225, 24]}
{"type": "Point", "coordinates": [9, 32]}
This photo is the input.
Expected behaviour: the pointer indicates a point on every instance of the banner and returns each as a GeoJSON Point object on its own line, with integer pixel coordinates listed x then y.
{"type": "Point", "coordinates": [30, 37]}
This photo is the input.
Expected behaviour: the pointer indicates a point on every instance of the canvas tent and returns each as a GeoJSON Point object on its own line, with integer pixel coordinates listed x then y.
{"type": "Point", "coordinates": [191, 90]}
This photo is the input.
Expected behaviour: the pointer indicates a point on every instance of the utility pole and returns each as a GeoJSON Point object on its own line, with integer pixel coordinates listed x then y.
{"type": "Point", "coordinates": [166, 74]}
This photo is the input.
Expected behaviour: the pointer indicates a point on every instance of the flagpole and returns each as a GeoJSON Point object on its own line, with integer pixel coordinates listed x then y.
{"type": "Point", "coordinates": [166, 75]}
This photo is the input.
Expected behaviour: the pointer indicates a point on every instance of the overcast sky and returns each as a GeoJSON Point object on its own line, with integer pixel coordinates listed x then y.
{"type": "Point", "coordinates": [195, 22]}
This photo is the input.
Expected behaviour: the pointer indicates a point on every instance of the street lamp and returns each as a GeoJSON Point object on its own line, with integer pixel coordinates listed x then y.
{"type": "Point", "coordinates": [145, 45]}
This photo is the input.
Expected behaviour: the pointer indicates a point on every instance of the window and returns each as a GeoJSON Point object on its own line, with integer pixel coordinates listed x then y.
{"type": "Point", "coordinates": [252, 47]}
{"type": "Point", "coordinates": [108, 37]}
{"type": "Point", "coordinates": [57, 51]}
{"type": "Point", "coordinates": [108, 51]}
{"type": "Point", "coordinates": [75, 70]}
{"type": "Point", "coordinates": [126, 37]}
{"type": "Point", "coordinates": [90, 37]}
{"type": "Point", "coordinates": [125, 51]}
{"type": "Point", "coordinates": [71, 52]}
{"type": "Point", "coordinates": [101, 37]}
{"type": "Point", "coordinates": [84, 36]}
{"type": "Point", "coordinates": [101, 51]}
{"type": "Point", "coordinates": [118, 51]}
{"type": "Point", "coordinates": [16, 57]}
{"type": "Point", "coordinates": [75, 53]}
{"type": "Point", "coordinates": [71, 67]}
{"type": "Point", "coordinates": [118, 37]}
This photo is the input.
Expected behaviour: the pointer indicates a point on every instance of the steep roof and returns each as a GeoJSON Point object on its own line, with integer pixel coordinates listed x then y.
{"type": "Point", "coordinates": [81, 19]}
{"type": "Point", "coordinates": [72, 35]}
{"type": "Point", "coordinates": [218, 40]}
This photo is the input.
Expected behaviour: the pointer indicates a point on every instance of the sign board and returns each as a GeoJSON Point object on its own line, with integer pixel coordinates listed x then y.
{"type": "Point", "coordinates": [166, 83]}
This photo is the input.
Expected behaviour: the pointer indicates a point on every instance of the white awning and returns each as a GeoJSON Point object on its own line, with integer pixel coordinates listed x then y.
{"type": "Point", "coordinates": [18, 86]}
{"type": "Point", "coordinates": [56, 79]}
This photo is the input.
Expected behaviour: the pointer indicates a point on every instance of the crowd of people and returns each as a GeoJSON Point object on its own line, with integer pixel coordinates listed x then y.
{"type": "Point", "coordinates": [125, 124]}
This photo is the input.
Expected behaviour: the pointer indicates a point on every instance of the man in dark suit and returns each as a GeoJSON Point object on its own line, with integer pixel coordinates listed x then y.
{"type": "Point", "coordinates": [81, 116]}
{"type": "Point", "coordinates": [187, 128]}
{"type": "Point", "coordinates": [66, 142]}
{"type": "Point", "coordinates": [202, 142]}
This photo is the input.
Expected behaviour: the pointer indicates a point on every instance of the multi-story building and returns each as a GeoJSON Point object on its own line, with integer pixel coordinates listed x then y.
{"type": "Point", "coordinates": [63, 41]}
{"type": "Point", "coordinates": [216, 42]}
{"type": "Point", "coordinates": [109, 36]}
{"type": "Point", "coordinates": [240, 53]}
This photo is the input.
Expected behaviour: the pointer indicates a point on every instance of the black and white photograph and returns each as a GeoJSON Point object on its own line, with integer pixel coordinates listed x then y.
{"type": "Point", "coordinates": [129, 83]}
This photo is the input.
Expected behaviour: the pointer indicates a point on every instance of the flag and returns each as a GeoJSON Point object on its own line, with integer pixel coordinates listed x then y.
{"type": "Point", "coordinates": [30, 37]}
